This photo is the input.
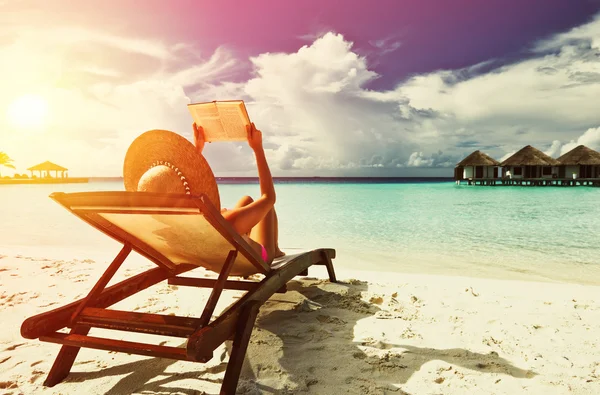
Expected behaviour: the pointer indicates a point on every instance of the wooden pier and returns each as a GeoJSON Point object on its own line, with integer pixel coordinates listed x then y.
{"type": "Point", "coordinates": [533, 182]}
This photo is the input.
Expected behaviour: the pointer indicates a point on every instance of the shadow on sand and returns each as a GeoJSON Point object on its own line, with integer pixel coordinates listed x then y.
{"type": "Point", "coordinates": [323, 342]}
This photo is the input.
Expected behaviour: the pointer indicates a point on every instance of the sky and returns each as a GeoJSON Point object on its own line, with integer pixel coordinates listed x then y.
{"type": "Point", "coordinates": [338, 88]}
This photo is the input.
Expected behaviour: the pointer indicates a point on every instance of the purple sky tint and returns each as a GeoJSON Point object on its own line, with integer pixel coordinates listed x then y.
{"type": "Point", "coordinates": [402, 88]}
{"type": "Point", "coordinates": [399, 38]}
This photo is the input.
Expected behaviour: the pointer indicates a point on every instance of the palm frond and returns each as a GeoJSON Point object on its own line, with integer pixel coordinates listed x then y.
{"type": "Point", "coordinates": [5, 160]}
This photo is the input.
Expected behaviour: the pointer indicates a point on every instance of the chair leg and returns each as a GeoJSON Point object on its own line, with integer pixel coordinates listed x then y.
{"type": "Point", "coordinates": [240, 346]}
{"type": "Point", "coordinates": [67, 354]}
{"type": "Point", "coordinates": [218, 289]}
{"type": "Point", "coordinates": [329, 266]}
{"type": "Point", "coordinates": [64, 360]}
{"type": "Point", "coordinates": [103, 281]}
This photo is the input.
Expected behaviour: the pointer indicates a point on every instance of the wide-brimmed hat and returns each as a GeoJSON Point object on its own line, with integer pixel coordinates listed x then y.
{"type": "Point", "coordinates": [164, 149]}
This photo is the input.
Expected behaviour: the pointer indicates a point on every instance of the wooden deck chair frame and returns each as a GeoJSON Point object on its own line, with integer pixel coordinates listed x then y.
{"type": "Point", "coordinates": [203, 335]}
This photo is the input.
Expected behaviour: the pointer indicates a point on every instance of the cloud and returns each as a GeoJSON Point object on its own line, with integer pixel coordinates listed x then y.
{"type": "Point", "coordinates": [506, 156]}
{"type": "Point", "coordinates": [386, 45]}
{"type": "Point", "coordinates": [590, 138]}
{"type": "Point", "coordinates": [96, 109]}
{"type": "Point", "coordinates": [547, 97]}
{"type": "Point", "coordinates": [316, 114]}
{"type": "Point", "coordinates": [417, 159]}
{"type": "Point", "coordinates": [554, 150]}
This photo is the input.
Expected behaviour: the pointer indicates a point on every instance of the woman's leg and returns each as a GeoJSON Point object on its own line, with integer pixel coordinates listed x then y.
{"type": "Point", "coordinates": [265, 232]}
{"type": "Point", "coordinates": [278, 252]}
{"type": "Point", "coordinates": [244, 201]}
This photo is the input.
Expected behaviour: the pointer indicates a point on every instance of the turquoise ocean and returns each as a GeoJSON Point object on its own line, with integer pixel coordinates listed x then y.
{"type": "Point", "coordinates": [524, 233]}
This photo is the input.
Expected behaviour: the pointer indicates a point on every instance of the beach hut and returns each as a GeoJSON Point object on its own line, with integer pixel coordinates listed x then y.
{"type": "Point", "coordinates": [580, 162]}
{"type": "Point", "coordinates": [476, 166]}
{"type": "Point", "coordinates": [530, 162]}
{"type": "Point", "coordinates": [45, 168]}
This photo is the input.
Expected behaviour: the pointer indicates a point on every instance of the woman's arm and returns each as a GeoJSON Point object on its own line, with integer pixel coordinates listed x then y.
{"type": "Point", "coordinates": [267, 189]}
{"type": "Point", "coordinates": [199, 138]}
{"type": "Point", "coordinates": [243, 219]}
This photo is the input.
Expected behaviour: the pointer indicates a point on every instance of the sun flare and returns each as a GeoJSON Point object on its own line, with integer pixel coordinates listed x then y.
{"type": "Point", "coordinates": [28, 111]}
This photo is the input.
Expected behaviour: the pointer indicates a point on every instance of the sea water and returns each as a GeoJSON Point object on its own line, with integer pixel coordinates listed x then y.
{"type": "Point", "coordinates": [528, 233]}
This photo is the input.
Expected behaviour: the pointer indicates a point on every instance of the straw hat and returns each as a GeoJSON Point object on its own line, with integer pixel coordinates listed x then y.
{"type": "Point", "coordinates": [163, 161]}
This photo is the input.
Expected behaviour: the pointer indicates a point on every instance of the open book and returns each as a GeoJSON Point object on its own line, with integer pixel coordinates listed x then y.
{"type": "Point", "coordinates": [221, 120]}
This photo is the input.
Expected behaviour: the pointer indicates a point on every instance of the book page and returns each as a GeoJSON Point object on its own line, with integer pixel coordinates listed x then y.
{"type": "Point", "coordinates": [234, 119]}
{"type": "Point", "coordinates": [221, 120]}
{"type": "Point", "coordinates": [207, 116]}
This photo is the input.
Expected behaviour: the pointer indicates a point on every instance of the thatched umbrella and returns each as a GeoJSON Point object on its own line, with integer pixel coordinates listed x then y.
{"type": "Point", "coordinates": [475, 160]}
{"type": "Point", "coordinates": [586, 158]}
{"type": "Point", "coordinates": [47, 167]}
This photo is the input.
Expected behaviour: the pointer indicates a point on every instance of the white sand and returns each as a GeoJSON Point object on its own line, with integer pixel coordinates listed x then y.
{"type": "Point", "coordinates": [388, 333]}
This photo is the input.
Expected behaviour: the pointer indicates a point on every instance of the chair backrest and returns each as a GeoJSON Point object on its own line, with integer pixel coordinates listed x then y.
{"type": "Point", "coordinates": [169, 229]}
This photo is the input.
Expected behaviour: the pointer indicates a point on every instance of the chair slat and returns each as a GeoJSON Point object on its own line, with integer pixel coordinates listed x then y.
{"type": "Point", "coordinates": [138, 322]}
{"type": "Point", "coordinates": [98, 343]}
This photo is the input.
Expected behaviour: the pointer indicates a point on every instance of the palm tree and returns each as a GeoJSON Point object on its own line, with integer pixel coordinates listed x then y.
{"type": "Point", "coordinates": [6, 161]}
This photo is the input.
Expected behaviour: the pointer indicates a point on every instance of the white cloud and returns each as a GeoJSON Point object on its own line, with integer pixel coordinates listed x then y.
{"type": "Point", "coordinates": [70, 36]}
{"type": "Point", "coordinates": [386, 45]}
{"type": "Point", "coordinates": [95, 111]}
{"type": "Point", "coordinates": [554, 150]}
{"type": "Point", "coordinates": [548, 97]}
{"type": "Point", "coordinates": [313, 106]}
{"type": "Point", "coordinates": [417, 159]}
{"type": "Point", "coordinates": [590, 138]}
{"type": "Point", "coordinates": [506, 156]}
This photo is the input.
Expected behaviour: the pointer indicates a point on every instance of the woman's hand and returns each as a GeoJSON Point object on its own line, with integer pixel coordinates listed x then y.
{"type": "Point", "coordinates": [254, 137]}
{"type": "Point", "coordinates": [199, 138]}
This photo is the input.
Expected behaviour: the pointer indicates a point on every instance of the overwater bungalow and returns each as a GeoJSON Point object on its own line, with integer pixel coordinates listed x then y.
{"type": "Point", "coordinates": [580, 162]}
{"type": "Point", "coordinates": [530, 163]}
{"type": "Point", "coordinates": [476, 166]}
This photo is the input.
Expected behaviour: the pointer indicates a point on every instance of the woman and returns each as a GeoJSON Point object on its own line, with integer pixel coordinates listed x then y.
{"type": "Point", "coordinates": [255, 220]}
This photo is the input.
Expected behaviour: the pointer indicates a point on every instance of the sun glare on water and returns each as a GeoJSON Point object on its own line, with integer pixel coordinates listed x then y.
{"type": "Point", "coordinates": [28, 111]}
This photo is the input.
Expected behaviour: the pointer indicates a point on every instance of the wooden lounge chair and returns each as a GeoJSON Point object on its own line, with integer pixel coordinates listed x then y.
{"type": "Point", "coordinates": [178, 233]}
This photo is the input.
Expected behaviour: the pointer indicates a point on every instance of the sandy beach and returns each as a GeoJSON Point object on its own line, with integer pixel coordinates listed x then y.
{"type": "Point", "coordinates": [371, 333]}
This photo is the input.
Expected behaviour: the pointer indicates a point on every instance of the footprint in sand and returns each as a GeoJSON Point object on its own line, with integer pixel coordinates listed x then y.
{"type": "Point", "coordinates": [16, 299]}
{"type": "Point", "coordinates": [8, 385]}
{"type": "Point", "coordinates": [410, 334]}
{"type": "Point", "coordinates": [330, 320]}
{"type": "Point", "coordinates": [165, 290]}
{"type": "Point", "coordinates": [84, 362]}
{"type": "Point", "coordinates": [378, 344]}
{"type": "Point", "coordinates": [48, 304]}
{"type": "Point", "coordinates": [14, 347]}
{"type": "Point", "coordinates": [35, 375]}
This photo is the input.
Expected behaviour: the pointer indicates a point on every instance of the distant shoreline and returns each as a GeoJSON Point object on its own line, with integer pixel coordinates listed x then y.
{"type": "Point", "coordinates": [241, 180]}
{"type": "Point", "coordinates": [252, 180]}
{"type": "Point", "coordinates": [68, 180]}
